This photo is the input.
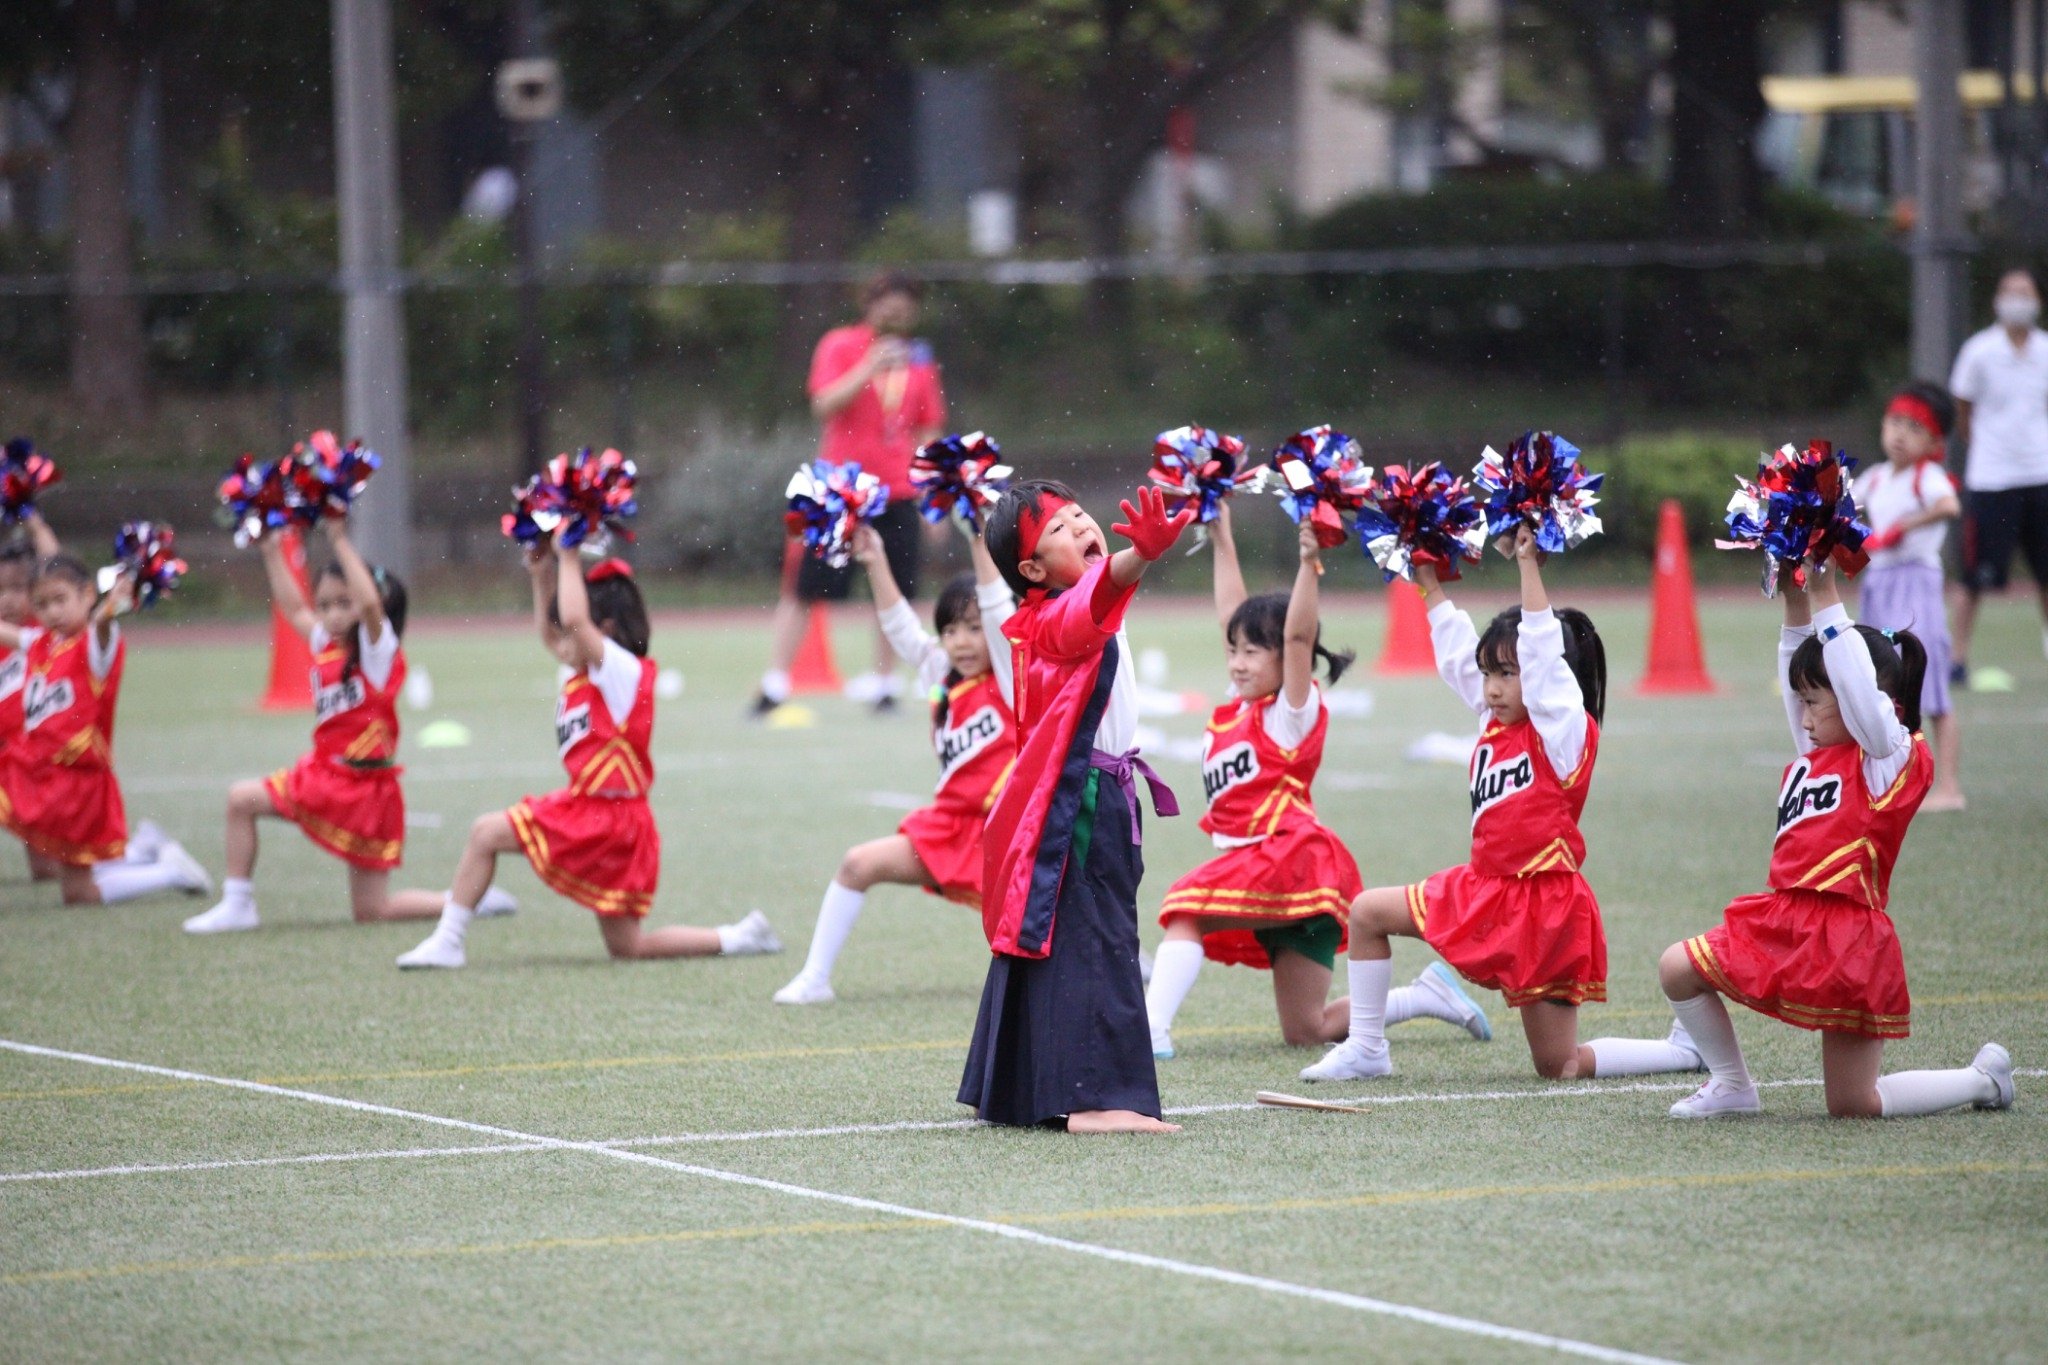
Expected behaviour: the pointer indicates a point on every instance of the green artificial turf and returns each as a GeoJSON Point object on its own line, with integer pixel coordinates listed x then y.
{"type": "Point", "coordinates": [1481, 1193]}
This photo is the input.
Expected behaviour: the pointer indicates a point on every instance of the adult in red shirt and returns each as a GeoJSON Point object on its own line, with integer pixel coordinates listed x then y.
{"type": "Point", "coordinates": [876, 392]}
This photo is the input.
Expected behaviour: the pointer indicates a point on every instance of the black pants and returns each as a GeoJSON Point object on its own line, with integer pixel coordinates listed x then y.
{"type": "Point", "coordinates": [902, 532]}
{"type": "Point", "coordinates": [1067, 1033]}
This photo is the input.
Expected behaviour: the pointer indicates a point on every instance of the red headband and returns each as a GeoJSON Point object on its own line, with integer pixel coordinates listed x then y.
{"type": "Point", "coordinates": [1914, 408]}
{"type": "Point", "coordinates": [1030, 522]}
{"type": "Point", "coordinates": [607, 568]}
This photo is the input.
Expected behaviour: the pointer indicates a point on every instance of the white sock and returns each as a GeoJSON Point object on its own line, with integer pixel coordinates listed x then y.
{"type": "Point", "coordinates": [454, 920]}
{"type": "Point", "coordinates": [238, 892]}
{"type": "Point", "coordinates": [1638, 1056]}
{"type": "Point", "coordinates": [1905, 1094]}
{"type": "Point", "coordinates": [1713, 1033]}
{"type": "Point", "coordinates": [1174, 969]}
{"type": "Point", "coordinates": [775, 684]}
{"type": "Point", "coordinates": [728, 936]}
{"type": "Point", "coordinates": [1369, 983]}
{"type": "Point", "coordinates": [836, 914]}
{"type": "Point", "coordinates": [127, 881]}
{"type": "Point", "coordinates": [1402, 1005]}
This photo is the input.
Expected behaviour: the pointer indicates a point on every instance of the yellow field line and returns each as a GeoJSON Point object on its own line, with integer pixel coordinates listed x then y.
{"type": "Point", "coordinates": [1618, 1185]}
{"type": "Point", "coordinates": [785, 1054]}
{"type": "Point", "coordinates": [1624, 1184]}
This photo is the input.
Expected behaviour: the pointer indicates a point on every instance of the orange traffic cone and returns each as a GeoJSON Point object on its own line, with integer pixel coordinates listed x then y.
{"type": "Point", "coordinates": [813, 670]}
{"type": "Point", "coordinates": [1677, 663]}
{"type": "Point", "coordinates": [1407, 648]}
{"type": "Point", "coordinates": [291, 661]}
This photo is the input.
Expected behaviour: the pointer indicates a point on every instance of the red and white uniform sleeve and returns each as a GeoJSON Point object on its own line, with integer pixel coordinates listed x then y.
{"type": "Point", "coordinates": [101, 661]}
{"type": "Point", "coordinates": [914, 644]}
{"type": "Point", "coordinates": [1871, 717]}
{"type": "Point", "coordinates": [1550, 689]}
{"type": "Point", "coordinates": [997, 606]}
{"type": "Point", "coordinates": [1457, 655]}
{"type": "Point", "coordinates": [376, 657]}
{"type": "Point", "coordinates": [616, 676]}
{"type": "Point", "coordinates": [1288, 727]}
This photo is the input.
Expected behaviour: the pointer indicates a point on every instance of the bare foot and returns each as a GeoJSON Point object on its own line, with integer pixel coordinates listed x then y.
{"type": "Point", "coordinates": [1117, 1121]}
{"type": "Point", "coordinates": [1941, 801]}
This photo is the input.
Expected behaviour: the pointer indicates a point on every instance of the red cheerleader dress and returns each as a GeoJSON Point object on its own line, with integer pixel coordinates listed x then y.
{"type": "Point", "coordinates": [1279, 862]}
{"type": "Point", "coordinates": [976, 740]}
{"type": "Point", "coordinates": [1818, 950]}
{"type": "Point", "coordinates": [1519, 918]}
{"type": "Point", "coordinates": [345, 794]}
{"type": "Point", "coordinates": [58, 793]}
{"type": "Point", "coordinates": [595, 841]}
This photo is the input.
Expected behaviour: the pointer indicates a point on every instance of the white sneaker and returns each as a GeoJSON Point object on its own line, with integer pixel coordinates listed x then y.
{"type": "Point", "coordinates": [1679, 1038]}
{"type": "Point", "coordinates": [495, 902]}
{"type": "Point", "coordinates": [1717, 1101]}
{"type": "Point", "coordinates": [438, 950]}
{"type": "Point", "coordinates": [225, 918]}
{"type": "Point", "coordinates": [864, 687]}
{"type": "Point", "coordinates": [193, 879]}
{"type": "Point", "coordinates": [1995, 1062]}
{"type": "Point", "coordinates": [750, 936]}
{"type": "Point", "coordinates": [1349, 1061]}
{"type": "Point", "coordinates": [1453, 1006]}
{"type": "Point", "coordinates": [145, 841]}
{"type": "Point", "coordinates": [1162, 1047]}
{"type": "Point", "coordinates": [804, 990]}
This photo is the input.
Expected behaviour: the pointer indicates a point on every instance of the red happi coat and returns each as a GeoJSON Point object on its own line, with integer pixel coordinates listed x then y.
{"type": "Point", "coordinates": [1063, 656]}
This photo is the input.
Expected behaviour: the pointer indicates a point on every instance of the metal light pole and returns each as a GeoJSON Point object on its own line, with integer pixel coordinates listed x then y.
{"type": "Point", "coordinates": [1940, 246]}
{"type": "Point", "coordinates": [373, 289]}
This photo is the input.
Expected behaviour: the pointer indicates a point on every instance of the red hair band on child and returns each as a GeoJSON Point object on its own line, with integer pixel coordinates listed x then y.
{"type": "Point", "coordinates": [1031, 523]}
{"type": "Point", "coordinates": [1914, 408]}
{"type": "Point", "coordinates": [607, 568]}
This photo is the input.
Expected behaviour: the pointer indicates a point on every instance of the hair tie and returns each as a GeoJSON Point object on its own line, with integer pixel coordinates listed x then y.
{"type": "Point", "coordinates": [1889, 635]}
{"type": "Point", "coordinates": [377, 574]}
{"type": "Point", "coordinates": [613, 567]}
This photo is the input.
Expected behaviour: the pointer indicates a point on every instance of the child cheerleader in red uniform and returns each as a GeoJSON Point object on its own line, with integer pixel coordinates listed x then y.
{"type": "Point", "coordinates": [345, 794]}
{"type": "Point", "coordinates": [594, 841]}
{"type": "Point", "coordinates": [58, 792]}
{"type": "Point", "coordinates": [1817, 950]}
{"type": "Point", "coordinates": [939, 846]}
{"type": "Point", "coordinates": [1279, 892]}
{"type": "Point", "coordinates": [1519, 918]}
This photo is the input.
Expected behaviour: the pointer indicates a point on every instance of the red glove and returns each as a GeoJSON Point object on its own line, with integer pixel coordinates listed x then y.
{"type": "Point", "coordinates": [1883, 540]}
{"type": "Point", "coordinates": [1148, 528]}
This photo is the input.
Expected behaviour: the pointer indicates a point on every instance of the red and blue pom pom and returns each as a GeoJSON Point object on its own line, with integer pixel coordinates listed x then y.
{"type": "Point", "coordinates": [144, 553]}
{"type": "Point", "coordinates": [1539, 484]}
{"type": "Point", "coordinates": [24, 473]}
{"type": "Point", "coordinates": [1799, 509]}
{"type": "Point", "coordinates": [1194, 466]}
{"type": "Point", "coordinates": [257, 497]}
{"type": "Point", "coordinates": [959, 474]}
{"type": "Point", "coordinates": [1319, 475]}
{"type": "Point", "coordinates": [827, 502]}
{"type": "Point", "coordinates": [1423, 516]}
{"type": "Point", "coordinates": [327, 475]}
{"type": "Point", "coordinates": [588, 495]}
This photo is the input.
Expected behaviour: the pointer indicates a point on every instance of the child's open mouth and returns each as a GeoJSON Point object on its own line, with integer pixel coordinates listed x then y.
{"type": "Point", "coordinates": [1092, 550]}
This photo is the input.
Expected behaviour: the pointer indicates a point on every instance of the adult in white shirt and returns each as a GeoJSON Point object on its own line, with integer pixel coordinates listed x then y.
{"type": "Point", "coordinates": [2001, 386]}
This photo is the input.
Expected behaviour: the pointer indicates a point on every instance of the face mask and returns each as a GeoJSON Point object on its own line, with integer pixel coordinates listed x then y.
{"type": "Point", "coordinates": [2016, 310]}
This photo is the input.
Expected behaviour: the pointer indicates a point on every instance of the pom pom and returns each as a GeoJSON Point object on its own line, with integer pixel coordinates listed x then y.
{"type": "Point", "coordinates": [144, 553]}
{"type": "Point", "coordinates": [1319, 475]}
{"type": "Point", "coordinates": [1539, 484]}
{"type": "Point", "coordinates": [1798, 509]}
{"type": "Point", "coordinates": [24, 473]}
{"type": "Point", "coordinates": [326, 475]}
{"type": "Point", "coordinates": [827, 502]}
{"type": "Point", "coordinates": [959, 474]}
{"type": "Point", "coordinates": [1194, 465]}
{"type": "Point", "coordinates": [589, 495]}
{"type": "Point", "coordinates": [257, 497]}
{"type": "Point", "coordinates": [1423, 516]}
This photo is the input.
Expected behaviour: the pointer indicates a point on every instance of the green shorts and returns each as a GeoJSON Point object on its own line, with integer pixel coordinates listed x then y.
{"type": "Point", "coordinates": [1315, 938]}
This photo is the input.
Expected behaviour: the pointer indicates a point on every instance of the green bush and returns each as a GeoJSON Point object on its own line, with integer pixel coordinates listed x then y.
{"type": "Point", "coordinates": [1697, 468]}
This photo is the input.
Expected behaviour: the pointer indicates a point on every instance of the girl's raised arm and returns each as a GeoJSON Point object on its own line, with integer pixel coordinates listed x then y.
{"type": "Point", "coordinates": [1869, 715]}
{"type": "Point", "coordinates": [40, 537]}
{"type": "Point", "coordinates": [583, 642]}
{"type": "Point", "coordinates": [362, 587]}
{"type": "Point", "coordinates": [1454, 641]}
{"type": "Point", "coordinates": [1229, 575]}
{"type": "Point", "coordinates": [1551, 691]}
{"type": "Point", "coordinates": [1798, 626]}
{"type": "Point", "coordinates": [540, 571]}
{"type": "Point", "coordinates": [1304, 615]}
{"type": "Point", "coordinates": [893, 612]}
{"type": "Point", "coordinates": [284, 588]}
{"type": "Point", "coordinates": [992, 595]}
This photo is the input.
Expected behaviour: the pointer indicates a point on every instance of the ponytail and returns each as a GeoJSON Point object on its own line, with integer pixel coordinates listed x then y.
{"type": "Point", "coordinates": [1896, 656]}
{"type": "Point", "coordinates": [1584, 653]}
{"type": "Point", "coordinates": [1262, 621]}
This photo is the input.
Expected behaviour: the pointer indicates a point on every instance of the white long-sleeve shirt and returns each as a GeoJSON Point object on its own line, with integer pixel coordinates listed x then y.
{"type": "Point", "coordinates": [1871, 717]}
{"type": "Point", "coordinates": [1550, 690]}
{"type": "Point", "coordinates": [921, 649]}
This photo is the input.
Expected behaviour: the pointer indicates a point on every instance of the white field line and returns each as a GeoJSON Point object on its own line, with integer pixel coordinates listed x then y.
{"type": "Point", "coordinates": [316, 1159]}
{"type": "Point", "coordinates": [1189, 1269]}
